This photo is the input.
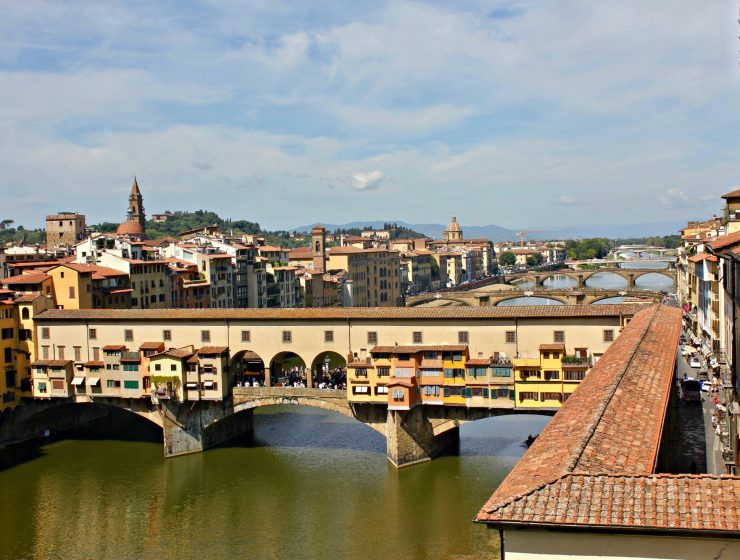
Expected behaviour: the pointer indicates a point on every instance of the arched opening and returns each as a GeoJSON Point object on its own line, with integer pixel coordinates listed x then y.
{"type": "Point", "coordinates": [606, 281]}
{"type": "Point", "coordinates": [329, 371]}
{"type": "Point", "coordinates": [529, 301]}
{"type": "Point", "coordinates": [248, 368]}
{"type": "Point", "coordinates": [608, 300]}
{"type": "Point", "coordinates": [654, 281]}
{"type": "Point", "coordinates": [25, 313]}
{"type": "Point", "coordinates": [287, 369]}
{"type": "Point", "coordinates": [559, 282]}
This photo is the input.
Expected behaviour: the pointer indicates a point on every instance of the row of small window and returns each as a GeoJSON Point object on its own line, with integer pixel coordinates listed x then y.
{"type": "Point", "coordinates": [542, 397]}
{"type": "Point", "coordinates": [365, 390]}
{"type": "Point", "coordinates": [576, 375]}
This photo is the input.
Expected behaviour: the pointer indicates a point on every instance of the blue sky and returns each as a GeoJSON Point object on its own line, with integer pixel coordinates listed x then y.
{"type": "Point", "coordinates": [519, 113]}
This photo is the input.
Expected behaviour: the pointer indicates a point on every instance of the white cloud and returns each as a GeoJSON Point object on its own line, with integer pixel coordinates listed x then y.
{"type": "Point", "coordinates": [367, 181]}
{"type": "Point", "coordinates": [674, 198]}
{"type": "Point", "coordinates": [566, 200]}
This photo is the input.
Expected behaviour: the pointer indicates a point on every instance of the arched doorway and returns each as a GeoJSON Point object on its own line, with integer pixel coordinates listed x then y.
{"type": "Point", "coordinates": [248, 368]}
{"type": "Point", "coordinates": [329, 371]}
{"type": "Point", "coordinates": [287, 369]}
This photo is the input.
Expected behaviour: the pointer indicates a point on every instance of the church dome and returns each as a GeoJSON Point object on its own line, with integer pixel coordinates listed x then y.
{"type": "Point", "coordinates": [453, 225]}
{"type": "Point", "coordinates": [130, 227]}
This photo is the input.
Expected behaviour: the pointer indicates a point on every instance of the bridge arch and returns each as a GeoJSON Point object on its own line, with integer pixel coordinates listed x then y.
{"type": "Point", "coordinates": [288, 366]}
{"type": "Point", "coordinates": [431, 298]}
{"type": "Point", "coordinates": [670, 274]}
{"type": "Point", "coordinates": [558, 300]}
{"type": "Point", "coordinates": [334, 402]}
{"type": "Point", "coordinates": [247, 365]}
{"type": "Point", "coordinates": [325, 365]}
{"type": "Point", "coordinates": [32, 420]}
{"type": "Point", "coordinates": [623, 278]}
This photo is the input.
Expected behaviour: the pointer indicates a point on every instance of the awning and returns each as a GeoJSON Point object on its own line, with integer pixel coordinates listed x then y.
{"type": "Point", "coordinates": [93, 381]}
{"type": "Point", "coordinates": [78, 381]}
{"type": "Point", "coordinates": [208, 384]}
{"type": "Point", "coordinates": [191, 385]}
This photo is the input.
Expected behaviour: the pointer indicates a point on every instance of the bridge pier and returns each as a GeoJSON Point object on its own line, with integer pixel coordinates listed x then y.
{"type": "Point", "coordinates": [410, 437]}
{"type": "Point", "coordinates": [194, 429]}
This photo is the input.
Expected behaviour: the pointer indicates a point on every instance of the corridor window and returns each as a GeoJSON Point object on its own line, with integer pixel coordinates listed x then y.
{"type": "Point", "coordinates": [246, 336]}
{"type": "Point", "coordinates": [608, 335]}
{"type": "Point", "coordinates": [372, 337]}
{"type": "Point", "coordinates": [462, 337]}
{"type": "Point", "coordinates": [92, 334]}
{"type": "Point", "coordinates": [287, 336]}
{"type": "Point", "coordinates": [328, 336]}
{"type": "Point", "coordinates": [167, 335]}
{"type": "Point", "coordinates": [128, 335]}
{"type": "Point", "coordinates": [205, 336]}
{"type": "Point", "coordinates": [418, 337]}
{"type": "Point", "coordinates": [510, 337]}
{"type": "Point", "coordinates": [558, 336]}
{"type": "Point", "coordinates": [45, 333]}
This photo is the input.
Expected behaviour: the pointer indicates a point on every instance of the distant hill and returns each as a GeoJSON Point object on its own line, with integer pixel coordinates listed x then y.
{"type": "Point", "coordinates": [498, 233]}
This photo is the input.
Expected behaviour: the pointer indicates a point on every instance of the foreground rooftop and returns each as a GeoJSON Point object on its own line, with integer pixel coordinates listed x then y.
{"type": "Point", "coordinates": [596, 464]}
{"type": "Point", "coordinates": [337, 313]}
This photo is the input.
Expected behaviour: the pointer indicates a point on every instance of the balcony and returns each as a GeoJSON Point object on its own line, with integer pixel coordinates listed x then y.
{"type": "Point", "coordinates": [576, 361]}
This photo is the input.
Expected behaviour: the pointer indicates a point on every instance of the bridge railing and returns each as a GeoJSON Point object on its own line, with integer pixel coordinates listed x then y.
{"type": "Point", "coordinates": [282, 392]}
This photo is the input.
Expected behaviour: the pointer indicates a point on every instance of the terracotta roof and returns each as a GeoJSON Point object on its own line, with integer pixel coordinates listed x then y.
{"type": "Point", "coordinates": [725, 241]}
{"type": "Point", "coordinates": [93, 363]}
{"type": "Point", "coordinates": [212, 350]}
{"type": "Point", "coordinates": [702, 257]}
{"type": "Point", "coordinates": [29, 278]}
{"type": "Point", "coordinates": [478, 362]}
{"type": "Point", "coordinates": [343, 314]}
{"type": "Point", "coordinates": [151, 345]}
{"type": "Point", "coordinates": [360, 364]}
{"type": "Point", "coordinates": [557, 346]}
{"type": "Point", "coordinates": [593, 465]}
{"type": "Point", "coordinates": [412, 349]}
{"type": "Point", "coordinates": [250, 355]}
{"type": "Point", "coordinates": [114, 347]}
{"type": "Point", "coordinates": [40, 363]}
{"type": "Point", "coordinates": [682, 503]}
{"type": "Point", "coordinates": [300, 252]}
{"type": "Point", "coordinates": [732, 194]}
{"type": "Point", "coordinates": [173, 353]}
{"type": "Point", "coordinates": [59, 363]}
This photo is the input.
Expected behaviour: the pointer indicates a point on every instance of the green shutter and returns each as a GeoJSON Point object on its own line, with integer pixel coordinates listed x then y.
{"type": "Point", "coordinates": [485, 393]}
{"type": "Point", "coordinates": [447, 391]}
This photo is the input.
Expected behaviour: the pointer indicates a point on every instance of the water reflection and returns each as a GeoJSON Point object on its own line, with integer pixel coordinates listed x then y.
{"type": "Point", "coordinates": [560, 282]}
{"type": "Point", "coordinates": [654, 281]}
{"type": "Point", "coordinates": [606, 281]}
{"type": "Point", "coordinates": [310, 484]}
{"type": "Point", "coordinates": [529, 301]}
{"type": "Point", "coordinates": [605, 301]}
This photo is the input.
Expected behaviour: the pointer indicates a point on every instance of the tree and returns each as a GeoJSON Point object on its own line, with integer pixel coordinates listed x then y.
{"type": "Point", "coordinates": [507, 258]}
{"type": "Point", "coordinates": [534, 260]}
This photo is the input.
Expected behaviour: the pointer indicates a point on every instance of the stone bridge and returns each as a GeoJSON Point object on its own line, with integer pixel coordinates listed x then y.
{"type": "Point", "coordinates": [411, 436]}
{"type": "Point", "coordinates": [565, 296]}
{"type": "Point", "coordinates": [580, 276]}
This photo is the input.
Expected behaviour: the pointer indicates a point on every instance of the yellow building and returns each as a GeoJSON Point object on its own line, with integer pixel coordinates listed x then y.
{"type": "Point", "coordinates": [8, 340]}
{"type": "Point", "coordinates": [168, 369]}
{"type": "Point", "coordinates": [373, 275]}
{"type": "Point", "coordinates": [72, 286]}
{"type": "Point", "coordinates": [548, 380]}
{"type": "Point", "coordinates": [453, 365]}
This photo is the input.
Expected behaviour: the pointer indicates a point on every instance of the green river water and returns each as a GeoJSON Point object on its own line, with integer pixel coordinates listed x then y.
{"type": "Point", "coordinates": [308, 484]}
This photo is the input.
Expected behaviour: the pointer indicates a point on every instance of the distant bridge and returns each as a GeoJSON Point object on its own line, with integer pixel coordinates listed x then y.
{"type": "Point", "coordinates": [573, 296]}
{"type": "Point", "coordinates": [580, 276]}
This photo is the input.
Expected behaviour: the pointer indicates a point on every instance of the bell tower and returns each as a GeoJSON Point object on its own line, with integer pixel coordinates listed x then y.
{"type": "Point", "coordinates": [136, 205]}
{"type": "Point", "coordinates": [318, 247]}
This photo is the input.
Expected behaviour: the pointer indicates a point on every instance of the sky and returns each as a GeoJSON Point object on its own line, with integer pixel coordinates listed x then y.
{"type": "Point", "coordinates": [519, 113]}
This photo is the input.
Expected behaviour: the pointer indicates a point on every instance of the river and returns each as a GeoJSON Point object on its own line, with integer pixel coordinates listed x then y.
{"type": "Point", "coordinates": [308, 484]}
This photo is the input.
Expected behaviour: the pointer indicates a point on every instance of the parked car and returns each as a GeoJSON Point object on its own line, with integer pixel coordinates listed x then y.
{"type": "Point", "coordinates": [694, 362]}
{"type": "Point", "coordinates": [703, 375]}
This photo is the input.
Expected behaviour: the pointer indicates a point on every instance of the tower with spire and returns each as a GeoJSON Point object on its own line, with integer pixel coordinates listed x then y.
{"type": "Point", "coordinates": [136, 205]}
